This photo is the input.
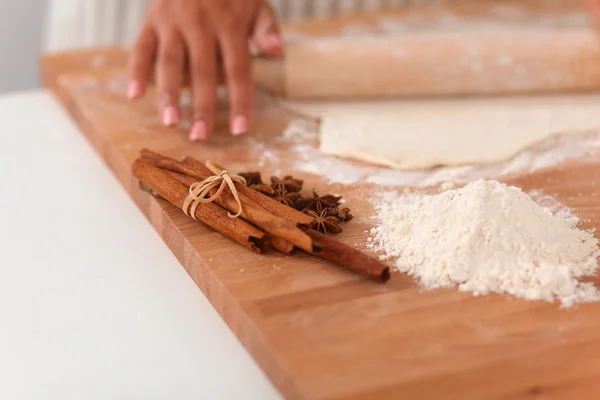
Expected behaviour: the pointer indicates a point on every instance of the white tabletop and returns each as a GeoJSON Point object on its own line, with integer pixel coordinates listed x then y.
{"type": "Point", "coordinates": [93, 305]}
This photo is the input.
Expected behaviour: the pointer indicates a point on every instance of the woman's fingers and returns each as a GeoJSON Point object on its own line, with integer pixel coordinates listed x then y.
{"type": "Point", "coordinates": [202, 56]}
{"type": "Point", "coordinates": [141, 62]}
{"type": "Point", "coordinates": [238, 72]}
{"type": "Point", "coordinates": [169, 75]}
{"type": "Point", "coordinates": [193, 34]}
{"type": "Point", "coordinates": [265, 33]}
{"type": "Point", "coordinates": [594, 7]}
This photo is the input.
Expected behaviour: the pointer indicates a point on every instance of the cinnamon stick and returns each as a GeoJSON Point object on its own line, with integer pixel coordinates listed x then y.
{"type": "Point", "coordinates": [350, 258]}
{"type": "Point", "coordinates": [322, 246]}
{"type": "Point", "coordinates": [266, 202]}
{"type": "Point", "coordinates": [282, 245]}
{"type": "Point", "coordinates": [251, 212]}
{"type": "Point", "coordinates": [210, 214]}
{"type": "Point", "coordinates": [277, 243]}
{"type": "Point", "coordinates": [332, 250]}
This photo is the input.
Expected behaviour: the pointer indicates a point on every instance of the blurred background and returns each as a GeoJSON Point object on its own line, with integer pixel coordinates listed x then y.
{"type": "Point", "coordinates": [28, 27]}
{"type": "Point", "coordinates": [21, 32]}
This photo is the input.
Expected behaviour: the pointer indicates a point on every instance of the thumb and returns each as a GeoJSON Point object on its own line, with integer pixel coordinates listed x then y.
{"type": "Point", "coordinates": [266, 34]}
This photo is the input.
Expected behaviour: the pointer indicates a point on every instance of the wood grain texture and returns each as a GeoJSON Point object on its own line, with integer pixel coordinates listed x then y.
{"type": "Point", "coordinates": [318, 331]}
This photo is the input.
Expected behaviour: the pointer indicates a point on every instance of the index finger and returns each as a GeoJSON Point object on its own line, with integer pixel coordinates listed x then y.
{"type": "Point", "coordinates": [238, 71]}
{"type": "Point", "coordinates": [141, 61]}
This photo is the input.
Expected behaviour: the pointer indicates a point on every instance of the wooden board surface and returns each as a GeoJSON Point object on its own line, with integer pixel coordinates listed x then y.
{"type": "Point", "coordinates": [318, 331]}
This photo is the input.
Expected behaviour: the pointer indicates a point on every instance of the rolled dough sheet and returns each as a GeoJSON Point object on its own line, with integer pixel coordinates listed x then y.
{"type": "Point", "coordinates": [424, 133]}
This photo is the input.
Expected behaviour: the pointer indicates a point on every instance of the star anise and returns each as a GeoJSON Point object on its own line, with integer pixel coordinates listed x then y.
{"type": "Point", "coordinates": [317, 203]}
{"type": "Point", "coordinates": [324, 223]}
{"type": "Point", "coordinates": [264, 189]}
{"type": "Point", "coordinates": [331, 200]}
{"type": "Point", "coordinates": [325, 210]}
{"type": "Point", "coordinates": [331, 211]}
{"type": "Point", "coordinates": [278, 184]}
{"type": "Point", "coordinates": [344, 214]}
{"type": "Point", "coordinates": [286, 198]}
{"type": "Point", "coordinates": [293, 185]}
{"type": "Point", "coordinates": [288, 184]}
{"type": "Point", "coordinates": [252, 178]}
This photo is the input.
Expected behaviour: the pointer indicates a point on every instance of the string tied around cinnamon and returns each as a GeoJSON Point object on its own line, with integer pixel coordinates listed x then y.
{"type": "Point", "coordinates": [199, 191]}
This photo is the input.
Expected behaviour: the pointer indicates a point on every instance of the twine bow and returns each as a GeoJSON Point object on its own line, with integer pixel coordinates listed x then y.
{"type": "Point", "coordinates": [199, 190]}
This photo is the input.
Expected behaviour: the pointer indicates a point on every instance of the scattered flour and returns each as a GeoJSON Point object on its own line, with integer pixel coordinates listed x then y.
{"type": "Point", "coordinates": [501, 20]}
{"type": "Point", "coordinates": [98, 61]}
{"type": "Point", "coordinates": [117, 84]}
{"type": "Point", "coordinates": [488, 237]}
{"type": "Point", "coordinates": [268, 156]}
{"type": "Point", "coordinates": [448, 186]}
{"type": "Point", "coordinates": [299, 130]}
{"type": "Point", "coordinates": [444, 175]}
{"type": "Point", "coordinates": [312, 161]}
{"type": "Point", "coordinates": [496, 23]}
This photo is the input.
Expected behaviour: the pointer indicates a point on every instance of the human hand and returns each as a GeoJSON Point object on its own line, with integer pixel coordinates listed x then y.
{"type": "Point", "coordinates": [194, 35]}
{"type": "Point", "coordinates": [594, 8]}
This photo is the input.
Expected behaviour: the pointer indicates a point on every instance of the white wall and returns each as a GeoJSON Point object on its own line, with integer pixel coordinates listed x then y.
{"type": "Point", "coordinates": [21, 27]}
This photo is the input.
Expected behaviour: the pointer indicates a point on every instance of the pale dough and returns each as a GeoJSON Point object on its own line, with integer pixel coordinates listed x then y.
{"type": "Point", "coordinates": [423, 133]}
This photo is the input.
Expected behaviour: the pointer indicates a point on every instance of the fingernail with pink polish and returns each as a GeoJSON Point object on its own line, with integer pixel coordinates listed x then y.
{"type": "Point", "coordinates": [170, 117]}
{"type": "Point", "coordinates": [199, 131]}
{"type": "Point", "coordinates": [239, 125]}
{"type": "Point", "coordinates": [274, 40]}
{"type": "Point", "coordinates": [134, 89]}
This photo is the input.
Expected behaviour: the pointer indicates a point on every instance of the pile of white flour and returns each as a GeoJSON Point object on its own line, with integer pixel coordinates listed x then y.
{"type": "Point", "coordinates": [488, 237]}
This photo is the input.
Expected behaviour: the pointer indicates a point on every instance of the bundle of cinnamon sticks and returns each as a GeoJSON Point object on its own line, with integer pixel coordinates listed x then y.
{"type": "Point", "coordinates": [263, 223]}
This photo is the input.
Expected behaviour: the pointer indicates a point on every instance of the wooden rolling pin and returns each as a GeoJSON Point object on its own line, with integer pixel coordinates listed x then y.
{"type": "Point", "coordinates": [323, 64]}
{"type": "Point", "coordinates": [460, 64]}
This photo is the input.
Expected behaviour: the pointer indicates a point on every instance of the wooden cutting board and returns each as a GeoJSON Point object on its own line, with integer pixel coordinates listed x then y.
{"type": "Point", "coordinates": [318, 331]}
